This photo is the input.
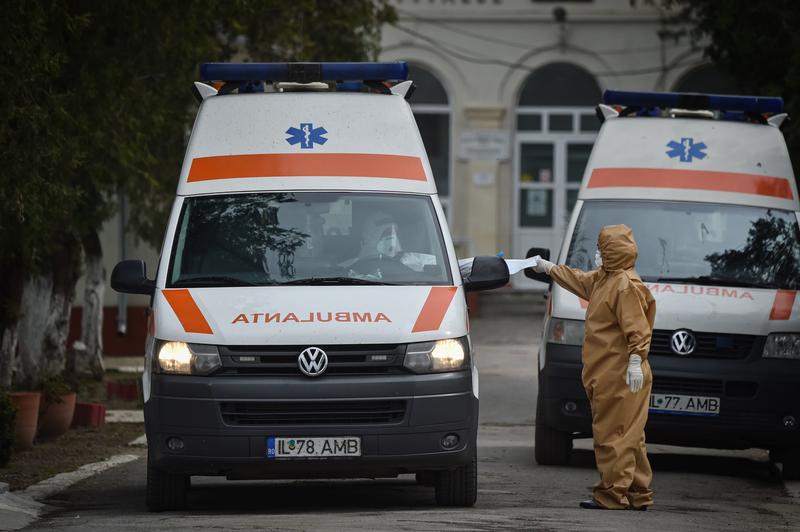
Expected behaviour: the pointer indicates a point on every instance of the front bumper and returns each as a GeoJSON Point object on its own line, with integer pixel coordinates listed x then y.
{"type": "Point", "coordinates": [755, 396]}
{"type": "Point", "coordinates": [191, 408]}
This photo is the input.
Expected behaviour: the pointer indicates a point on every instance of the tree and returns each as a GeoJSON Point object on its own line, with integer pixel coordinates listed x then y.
{"type": "Point", "coordinates": [757, 42]}
{"type": "Point", "coordinates": [97, 101]}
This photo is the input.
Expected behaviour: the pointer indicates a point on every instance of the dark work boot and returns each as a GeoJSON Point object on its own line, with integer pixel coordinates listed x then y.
{"type": "Point", "coordinates": [591, 504]}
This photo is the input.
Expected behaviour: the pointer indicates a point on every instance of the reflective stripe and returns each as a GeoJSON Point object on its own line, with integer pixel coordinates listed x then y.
{"type": "Point", "coordinates": [307, 165]}
{"type": "Point", "coordinates": [760, 185]}
{"type": "Point", "coordinates": [782, 306]}
{"type": "Point", "coordinates": [435, 307]}
{"type": "Point", "coordinates": [187, 311]}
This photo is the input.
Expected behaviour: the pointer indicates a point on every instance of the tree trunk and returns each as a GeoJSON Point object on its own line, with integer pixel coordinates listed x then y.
{"type": "Point", "coordinates": [35, 314]}
{"type": "Point", "coordinates": [11, 280]}
{"type": "Point", "coordinates": [8, 355]}
{"type": "Point", "coordinates": [90, 359]}
{"type": "Point", "coordinates": [44, 318]}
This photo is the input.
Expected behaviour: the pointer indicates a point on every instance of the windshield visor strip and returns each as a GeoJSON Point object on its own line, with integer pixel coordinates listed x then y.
{"type": "Point", "coordinates": [187, 311]}
{"type": "Point", "coordinates": [434, 309]}
{"type": "Point", "coordinates": [759, 185]}
{"type": "Point", "coordinates": [307, 165]}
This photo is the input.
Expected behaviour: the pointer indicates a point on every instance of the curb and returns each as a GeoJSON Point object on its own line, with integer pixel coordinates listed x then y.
{"type": "Point", "coordinates": [19, 509]}
{"type": "Point", "coordinates": [124, 416]}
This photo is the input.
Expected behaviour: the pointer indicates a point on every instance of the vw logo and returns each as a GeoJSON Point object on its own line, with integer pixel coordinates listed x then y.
{"type": "Point", "coordinates": [312, 361]}
{"type": "Point", "coordinates": [683, 342]}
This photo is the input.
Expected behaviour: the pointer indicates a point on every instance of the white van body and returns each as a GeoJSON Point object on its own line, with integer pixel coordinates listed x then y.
{"type": "Point", "coordinates": [246, 134]}
{"type": "Point", "coordinates": [726, 346]}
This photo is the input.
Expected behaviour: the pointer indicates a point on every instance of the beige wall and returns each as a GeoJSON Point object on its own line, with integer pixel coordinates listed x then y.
{"type": "Point", "coordinates": [467, 45]}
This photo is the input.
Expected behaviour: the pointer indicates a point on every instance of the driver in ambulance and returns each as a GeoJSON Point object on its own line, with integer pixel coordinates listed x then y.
{"type": "Point", "coordinates": [380, 240]}
{"type": "Point", "coordinates": [616, 375]}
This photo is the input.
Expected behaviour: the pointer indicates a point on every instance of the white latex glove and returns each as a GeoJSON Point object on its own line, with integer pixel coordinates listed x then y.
{"type": "Point", "coordinates": [543, 266]}
{"type": "Point", "coordinates": [634, 377]}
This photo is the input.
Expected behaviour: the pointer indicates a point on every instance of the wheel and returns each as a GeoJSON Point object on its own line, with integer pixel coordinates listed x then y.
{"type": "Point", "coordinates": [165, 491]}
{"type": "Point", "coordinates": [426, 478]}
{"type": "Point", "coordinates": [458, 487]}
{"type": "Point", "coordinates": [551, 447]}
{"type": "Point", "coordinates": [791, 464]}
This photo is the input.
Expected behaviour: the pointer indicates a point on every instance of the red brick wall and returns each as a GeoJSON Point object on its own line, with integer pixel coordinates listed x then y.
{"type": "Point", "coordinates": [131, 344]}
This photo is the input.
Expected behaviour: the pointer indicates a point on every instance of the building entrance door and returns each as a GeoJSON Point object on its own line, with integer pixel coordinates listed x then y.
{"type": "Point", "coordinates": [548, 169]}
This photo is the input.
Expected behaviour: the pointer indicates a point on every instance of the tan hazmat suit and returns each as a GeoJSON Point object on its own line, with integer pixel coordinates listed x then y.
{"type": "Point", "coordinates": [619, 322]}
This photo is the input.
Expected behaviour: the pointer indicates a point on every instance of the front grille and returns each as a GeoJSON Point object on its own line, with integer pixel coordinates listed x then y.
{"type": "Point", "coordinates": [354, 359]}
{"type": "Point", "coordinates": [366, 412]}
{"type": "Point", "coordinates": [708, 344]}
{"type": "Point", "coordinates": [680, 386]}
{"type": "Point", "coordinates": [726, 418]}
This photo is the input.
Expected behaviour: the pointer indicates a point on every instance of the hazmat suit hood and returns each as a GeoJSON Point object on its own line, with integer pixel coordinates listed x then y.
{"type": "Point", "coordinates": [617, 247]}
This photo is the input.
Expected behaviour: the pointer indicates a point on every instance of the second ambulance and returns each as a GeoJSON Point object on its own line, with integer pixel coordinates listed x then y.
{"type": "Point", "coordinates": [706, 184]}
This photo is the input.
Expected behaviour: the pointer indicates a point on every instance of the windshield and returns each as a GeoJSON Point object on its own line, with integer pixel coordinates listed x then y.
{"type": "Point", "coordinates": [308, 238]}
{"type": "Point", "coordinates": [698, 243]}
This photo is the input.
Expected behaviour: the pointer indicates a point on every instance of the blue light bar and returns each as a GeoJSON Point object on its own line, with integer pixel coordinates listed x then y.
{"type": "Point", "coordinates": [680, 100]}
{"type": "Point", "coordinates": [349, 86]}
{"type": "Point", "coordinates": [304, 72]}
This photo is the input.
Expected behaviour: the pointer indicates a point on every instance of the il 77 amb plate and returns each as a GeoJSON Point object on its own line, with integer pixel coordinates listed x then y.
{"type": "Point", "coordinates": [300, 447]}
{"type": "Point", "coordinates": [684, 405]}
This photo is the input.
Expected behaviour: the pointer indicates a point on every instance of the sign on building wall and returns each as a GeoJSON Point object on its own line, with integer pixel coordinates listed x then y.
{"type": "Point", "coordinates": [483, 145]}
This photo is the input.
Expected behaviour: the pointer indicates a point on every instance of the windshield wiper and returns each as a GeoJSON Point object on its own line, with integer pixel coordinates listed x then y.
{"type": "Point", "coordinates": [710, 280]}
{"type": "Point", "coordinates": [213, 280]}
{"type": "Point", "coordinates": [337, 280]}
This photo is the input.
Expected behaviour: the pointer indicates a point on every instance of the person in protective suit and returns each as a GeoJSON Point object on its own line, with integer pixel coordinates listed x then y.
{"type": "Point", "coordinates": [616, 375]}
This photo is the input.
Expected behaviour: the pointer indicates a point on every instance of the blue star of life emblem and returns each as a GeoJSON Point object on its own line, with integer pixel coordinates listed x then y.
{"type": "Point", "coordinates": [687, 149]}
{"type": "Point", "coordinates": [307, 135]}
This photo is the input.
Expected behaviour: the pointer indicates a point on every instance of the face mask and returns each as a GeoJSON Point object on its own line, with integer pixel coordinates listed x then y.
{"type": "Point", "coordinates": [389, 244]}
{"type": "Point", "coordinates": [598, 259]}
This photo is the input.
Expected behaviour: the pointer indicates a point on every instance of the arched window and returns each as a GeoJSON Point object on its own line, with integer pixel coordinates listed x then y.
{"type": "Point", "coordinates": [708, 79]}
{"type": "Point", "coordinates": [431, 109]}
{"type": "Point", "coordinates": [556, 127]}
{"type": "Point", "coordinates": [560, 85]}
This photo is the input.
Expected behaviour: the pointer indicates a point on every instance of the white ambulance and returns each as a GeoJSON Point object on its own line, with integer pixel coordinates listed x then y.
{"type": "Point", "coordinates": [308, 317]}
{"type": "Point", "coordinates": [706, 184]}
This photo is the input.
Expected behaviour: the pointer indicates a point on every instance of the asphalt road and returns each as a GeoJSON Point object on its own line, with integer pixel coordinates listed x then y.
{"type": "Point", "coordinates": [695, 489]}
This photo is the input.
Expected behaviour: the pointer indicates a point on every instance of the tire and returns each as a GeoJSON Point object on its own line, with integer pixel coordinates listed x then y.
{"type": "Point", "coordinates": [551, 447]}
{"type": "Point", "coordinates": [458, 487]}
{"type": "Point", "coordinates": [426, 478]}
{"type": "Point", "coordinates": [165, 491]}
{"type": "Point", "coordinates": [791, 464]}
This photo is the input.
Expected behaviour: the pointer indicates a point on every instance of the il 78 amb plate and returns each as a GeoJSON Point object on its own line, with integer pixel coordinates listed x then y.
{"type": "Point", "coordinates": [326, 447]}
{"type": "Point", "coordinates": [684, 405]}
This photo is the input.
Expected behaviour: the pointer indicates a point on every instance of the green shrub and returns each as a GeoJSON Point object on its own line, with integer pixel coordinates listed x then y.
{"type": "Point", "coordinates": [7, 414]}
{"type": "Point", "coordinates": [53, 388]}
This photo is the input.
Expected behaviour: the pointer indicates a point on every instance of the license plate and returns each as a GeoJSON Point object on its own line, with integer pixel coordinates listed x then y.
{"type": "Point", "coordinates": [279, 447]}
{"type": "Point", "coordinates": [684, 405]}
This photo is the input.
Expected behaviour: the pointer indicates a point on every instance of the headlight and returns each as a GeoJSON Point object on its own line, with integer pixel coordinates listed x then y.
{"type": "Point", "coordinates": [434, 357]}
{"type": "Point", "coordinates": [188, 359]}
{"type": "Point", "coordinates": [782, 345]}
{"type": "Point", "coordinates": [567, 332]}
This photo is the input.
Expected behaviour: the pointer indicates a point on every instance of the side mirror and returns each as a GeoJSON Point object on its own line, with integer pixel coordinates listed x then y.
{"type": "Point", "coordinates": [487, 273]}
{"type": "Point", "coordinates": [529, 273]}
{"type": "Point", "coordinates": [130, 277]}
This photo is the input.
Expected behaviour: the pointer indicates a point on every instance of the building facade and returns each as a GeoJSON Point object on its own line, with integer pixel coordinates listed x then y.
{"type": "Point", "coordinates": [505, 99]}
